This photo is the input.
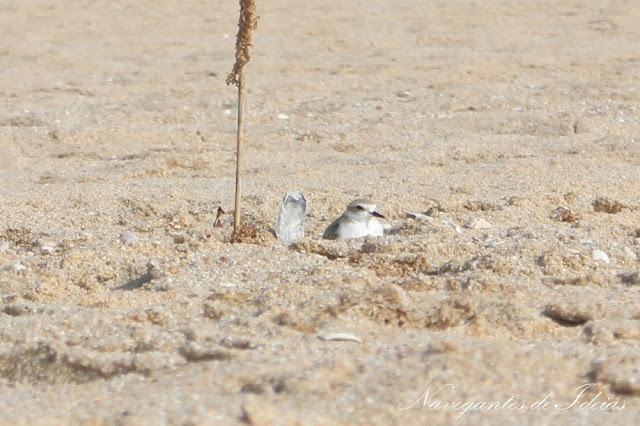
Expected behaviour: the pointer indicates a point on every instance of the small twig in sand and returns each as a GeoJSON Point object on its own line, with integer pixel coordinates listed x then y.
{"type": "Point", "coordinates": [304, 101]}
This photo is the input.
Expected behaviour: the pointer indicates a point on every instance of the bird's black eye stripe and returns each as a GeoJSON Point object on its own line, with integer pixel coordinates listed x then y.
{"type": "Point", "coordinates": [359, 207]}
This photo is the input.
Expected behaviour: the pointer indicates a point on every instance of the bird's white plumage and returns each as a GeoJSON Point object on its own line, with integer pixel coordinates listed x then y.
{"type": "Point", "coordinates": [360, 219]}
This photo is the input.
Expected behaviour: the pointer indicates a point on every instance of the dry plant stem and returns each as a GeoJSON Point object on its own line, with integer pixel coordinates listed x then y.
{"type": "Point", "coordinates": [236, 213]}
{"type": "Point", "coordinates": [247, 22]}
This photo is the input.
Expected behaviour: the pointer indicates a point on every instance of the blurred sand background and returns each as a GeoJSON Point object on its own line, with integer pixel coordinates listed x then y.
{"type": "Point", "coordinates": [122, 304]}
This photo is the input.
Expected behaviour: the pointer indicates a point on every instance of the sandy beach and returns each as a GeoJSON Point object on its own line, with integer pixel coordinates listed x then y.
{"type": "Point", "coordinates": [512, 127]}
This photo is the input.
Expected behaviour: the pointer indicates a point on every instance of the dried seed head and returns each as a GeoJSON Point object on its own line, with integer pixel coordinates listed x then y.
{"type": "Point", "coordinates": [246, 24]}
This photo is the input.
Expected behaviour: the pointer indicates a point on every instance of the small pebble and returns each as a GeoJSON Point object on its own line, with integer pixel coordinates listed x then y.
{"type": "Point", "coordinates": [40, 242]}
{"type": "Point", "coordinates": [9, 298]}
{"type": "Point", "coordinates": [570, 311]}
{"type": "Point", "coordinates": [15, 267]}
{"type": "Point", "coordinates": [368, 247]}
{"type": "Point", "coordinates": [563, 214]}
{"type": "Point", "coordinates": [630, 253]}
{"type": "Point", "coordinates": [128, 238]}
{"type": "Point", "coordinates": [84, 236]}
{"type": "Point", "coordinates": [237, 343]}
{"type": "Point", "coordinates": [606, 205]}
{"type": "Point", "coordinates": [16, 309]}
{"type": "Point", "coordinates": [600, 255]}
{"type": "Point", "coordinates": [179, 238]}
{"type": "Point", "coordinates": [282, 116]}
{"type": "Point", "coordinates": [194, 352]}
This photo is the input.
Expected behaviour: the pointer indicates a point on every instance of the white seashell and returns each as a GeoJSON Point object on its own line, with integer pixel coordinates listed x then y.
{"type": "Point", "coordinates": [343, 337]}
{"type": "Point", "coordinates": [494, 242]}
{"type": "Point", "coordinates": [282, 116]}
{"type": "Point", "coordinates": [477, 223]}
{"type": "Point", "coordinates": [418, 215]}
{"type": "Point", "coordinates": [454, 226]}
{"type": "Point", "coordinates": [46, 249]}
{"type": "Point", "coordinates": [600, 255]}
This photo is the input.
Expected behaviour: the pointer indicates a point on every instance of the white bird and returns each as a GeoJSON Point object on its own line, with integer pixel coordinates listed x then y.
{"type": "Point", "coordinates": [358, 220]}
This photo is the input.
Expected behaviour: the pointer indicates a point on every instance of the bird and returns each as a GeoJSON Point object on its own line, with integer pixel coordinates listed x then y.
{"type": "Point", "coordinates": [360, 219]}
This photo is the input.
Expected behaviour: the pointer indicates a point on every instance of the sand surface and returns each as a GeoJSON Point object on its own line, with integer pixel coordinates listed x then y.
{"type": "Point", "coordinates": [122, 304]}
